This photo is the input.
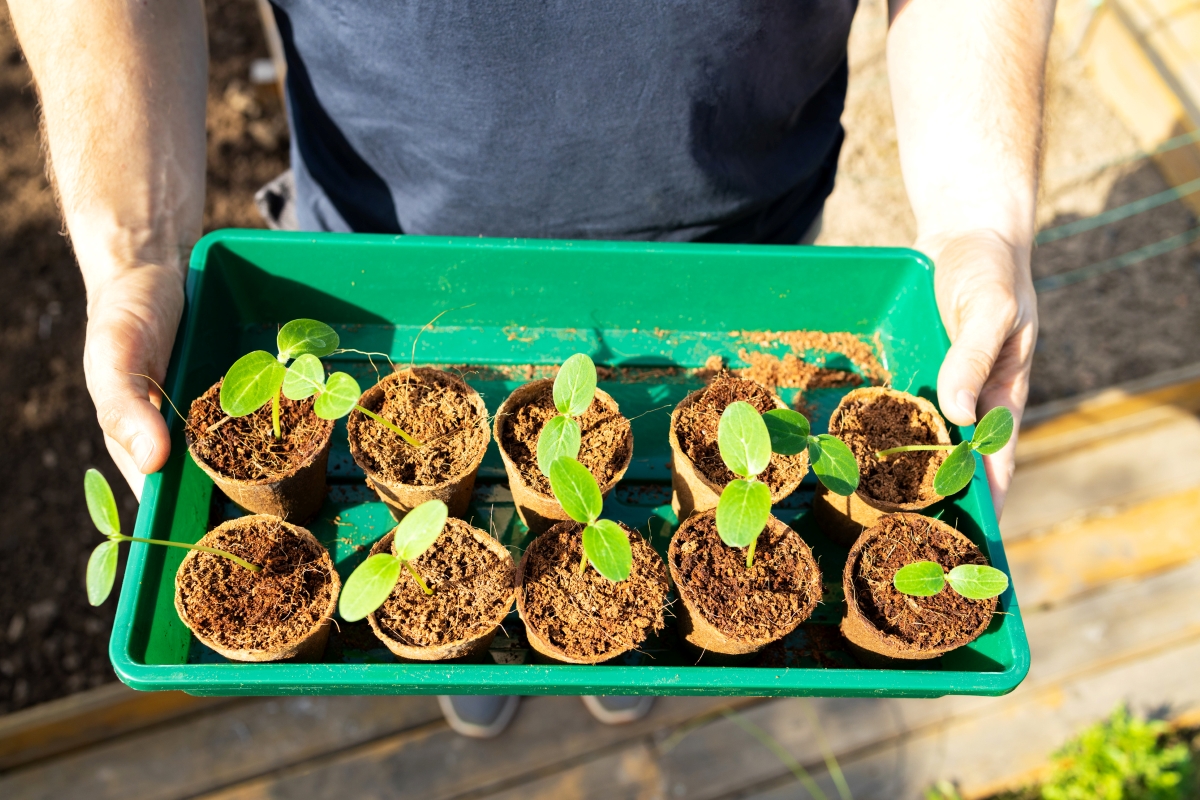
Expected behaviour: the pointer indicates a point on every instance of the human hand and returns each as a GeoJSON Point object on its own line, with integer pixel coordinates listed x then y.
{"type": "Point", "coordinates": [988, 305]}
{"type": "Point", "coordinates": [132, 318]}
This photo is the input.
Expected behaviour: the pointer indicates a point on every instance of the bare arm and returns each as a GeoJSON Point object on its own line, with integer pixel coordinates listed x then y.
{"type": "Point", "coordinates": [967, 79]}
{"type": "Point", "coordinates": [122, 89]}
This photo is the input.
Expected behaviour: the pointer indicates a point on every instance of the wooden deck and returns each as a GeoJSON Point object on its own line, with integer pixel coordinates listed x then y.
{"type": "Point", "coordinates": [1103, 532]}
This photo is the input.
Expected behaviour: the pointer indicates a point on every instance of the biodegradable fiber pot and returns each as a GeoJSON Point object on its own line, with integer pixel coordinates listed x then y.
{"type": "Point", "coordinates": [887, 628]}
{"type": "Point", "coordinates": [474, 585]}
{"type": "Point", "coordinates": [606, 449]}
{"type": "Point", "coordinates": [284, 478]}
{"type": "Point", "coordinates": [441, 411]}
{"type": "Point", "coordinates": [584, 618]}
{"type": "Point", "coordinates": [697, 487]}
{"type": "Point", "coordinates": [869, 420]}
{"type": "Point", "coordinates": [282, 612]}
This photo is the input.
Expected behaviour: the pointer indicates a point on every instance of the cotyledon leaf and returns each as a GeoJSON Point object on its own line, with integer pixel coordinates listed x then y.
{"type": "Point", "coordinates": [304, 378]}
{"type": "Point", "coordinates": [993, 431]}
{"type": "Point", "coordinates": [101, 572]}
{"type": "Point", "coordinates": [340, 396]}
{"type": "Point", "coordinates": [742, 512]}
{"type": "Point", "coordinates": [251, 383]}
{"type": "Point", "coordinates": [956, 471]}
{"type": "Point", "coordinates": [576, 490]}
{"type": "Point", "coordinates": [977, 581]}
{"type": "Point", "coordinates": [575, 385]}
{"type": "Point", "coordinates": [100, 503]}
{"type": "Point", "coordinates": [788, 430]}
{"type": "Point", "coordinates": [368, 586]}
{"type": "Point", "coordinates": [743, 439]}
{"type": "Point", "coordinates": [560, 437]}
{"type": "Point", "coordinates": [419, 529]}
{"type": "Point", "coordinates": [834, 464]}
{"type": "Point", "coordinates": [920, 579]}
{"type": "Point", "coordinates": [607, 548]}
{"type": "Point", "coordinates": [306, 337]}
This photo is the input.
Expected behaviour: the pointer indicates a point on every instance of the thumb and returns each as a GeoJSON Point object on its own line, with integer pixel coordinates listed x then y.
{"type": "Point", "coordinates": [967, 366]}
{"type": "Point", "coordinates": [130, 420]}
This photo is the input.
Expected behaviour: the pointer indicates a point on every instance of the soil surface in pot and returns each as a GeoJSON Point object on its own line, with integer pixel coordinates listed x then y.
{"type": "Point", "coordinates": [696, 430]}
{"type": "Point", "coordinates": [759, 602]}
{"type": "Point", "coordinates": [256, 610]}
{"type": "Point", "coordinates": [878, 423]}
{"type": "Point", "coordinates": [245, 447]}
{"type": "Point", "coordinates": [472, 588]}
{"type": "Point", "coordinates": [586, 614]}
{"type": "Point", "coordinates": [947, 618]}
{"type": "Point", "coordinates": [604, 446]}
{"type": "Point", "coordinates": [439, 413]}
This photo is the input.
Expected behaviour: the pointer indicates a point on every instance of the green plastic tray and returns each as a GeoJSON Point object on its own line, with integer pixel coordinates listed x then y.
{"type": "Point", "coordinates": [532, 303]}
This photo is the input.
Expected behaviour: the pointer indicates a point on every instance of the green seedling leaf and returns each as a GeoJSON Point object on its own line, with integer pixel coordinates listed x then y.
{"type": "Point", "coordinates": [607, 547]}
{"type": "Point", "coordinates": [340, 396]}
{"type": "Point", "coordinates": [305, 337]}
{"type": "Point", "coordinates": [956, 471]}
{"type": "Point", "coordinates": [559, 437]}
{"type": "Point", "coordinates": [368, 586]}
{"type": "Point", "coordinates": [993, 431]}
{"type": "Point", "coordinates": [100, 503]}
{"type": "Point", "coordinates": [576, 490]}
{"type": "Point", "coordinates": [788, 430]}
{"type": "Point", "coordinates": [101, 572]}
{"type": "Point", "coordinates": [575, 385]}
{"type": "Point", "coordinates": [976, 581]}
{"type": "Point", "coordinates": [743, 439]}
{"type": "Point", "coordinates": [304, 378]}
{"type": "Point", "coordinates": [742, 512]}
{"type": "Point", "coordinates": [419, 529]}
{"type": "Point", "coordinates": [920, 579]}
{"type": "Point", "coordinates": [251, 383]}
{"type": "Point", "coordinates": [834, 464]}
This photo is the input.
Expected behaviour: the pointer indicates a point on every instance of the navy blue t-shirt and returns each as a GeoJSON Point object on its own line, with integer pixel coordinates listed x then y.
{"type": "Point", "coordinates": [675, 120]}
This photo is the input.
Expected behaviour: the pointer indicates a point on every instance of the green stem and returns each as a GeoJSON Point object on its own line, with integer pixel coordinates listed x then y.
{"type": "Point", "coordinates": [583, 562]}
{"type": "Point", "coordinates": [909, 448]}
{"type": "Point", "coordinates": [240, 562]}
{"type": "Point", "coordinates": [750, 553]}
{"type": "Point", "coordinates": [417, 578]}
{"type": "Point", "coordinates": [275, 413]}
{"type": "Point", "coordinates": [386, 424]}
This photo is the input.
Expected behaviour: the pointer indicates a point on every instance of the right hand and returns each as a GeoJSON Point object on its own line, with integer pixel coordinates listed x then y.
{"type": "Point", "coordinates": [132, 318]}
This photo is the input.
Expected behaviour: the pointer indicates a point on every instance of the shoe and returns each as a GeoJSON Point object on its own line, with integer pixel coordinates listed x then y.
{"type": "Point", "coordinates": [618, 709]}
{"type": "Point", "coordinates": [478, 716]}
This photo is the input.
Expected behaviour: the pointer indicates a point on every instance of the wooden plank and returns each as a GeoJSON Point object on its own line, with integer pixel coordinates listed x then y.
{"type": "Point", "coordinates": [87, 717]}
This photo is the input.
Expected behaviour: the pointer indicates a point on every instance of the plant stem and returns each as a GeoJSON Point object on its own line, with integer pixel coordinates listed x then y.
{"type": "Point", "coordinates": [417, 578]}
{"type": "Point", "coordinates": [583, 562]}
{"type": "Point", "coordinates": [908, 448]}
{"type": "Point", "coordinates": [414, 442]}
{"type": "Point", "coordinates": [750, 553]}
{"type": "Point", "coordinates": [240, 562]}
{"type": "Point", "coordinates": [275, 413]}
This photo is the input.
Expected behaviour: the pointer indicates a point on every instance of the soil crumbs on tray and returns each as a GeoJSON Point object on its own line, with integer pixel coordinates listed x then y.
{"type": "Point", "coordinates": [883, 422]}
{"type": "Point", "coordinates": [435, 410]}
{"type": "Point", "coordinates": [696, 429]}
{"type": "Point", "coordinates": [472, 591]}
{"type": "Point", "coordinates": [586, 614]}
{"type": "Point", "coordinates": [257, 610]}
{"type": "Point", "coordinates": [245, 448]}
{"type": "Point", "coordinates": [763, 601]}
{"type": "Point", "coordinates": [604, 447]}
{"type": "Point", "coordinates": [946, 618]}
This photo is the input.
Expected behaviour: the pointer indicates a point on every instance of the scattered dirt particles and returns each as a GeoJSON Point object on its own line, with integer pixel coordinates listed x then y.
{"type": "Point", "coordinates": [587, 615]}
{"type": "Point", "coordinates": [945, 619]}
{"type": "Point", "coordinates": [860, 353]}
{"type": "Point", "coordinates": [257, 610]}
{"type": "Point", "coordinates": [766, 600]}
{"type": "Point", "coordinates": [792, 372]}
{"type": "Point", "coordinates": [472, 591]}
{"type": "Point", "coordinates": [880, 423]}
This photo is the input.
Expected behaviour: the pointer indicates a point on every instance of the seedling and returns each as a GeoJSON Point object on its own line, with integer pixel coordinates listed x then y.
{"type": "Point", "coordinates": [574, 388]}
{"type": "Point", "coordinates": [605, 545]}
{"type": "Point", "coordinates": [337, 395]}
{"type": "Point", "coordinates": [991, 434]}
{"type": "Point", "coordinates": [926, 578]}
{"type": "Point", "coordinates": [746, 440]}
{"type": "Point", "coordinates": [102, 564]}
{"type": "Point", "coordinates": [373, 580]}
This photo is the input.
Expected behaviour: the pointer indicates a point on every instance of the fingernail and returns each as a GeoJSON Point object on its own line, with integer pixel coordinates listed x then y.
{"type": "Point", "coordinates": [966, 401]}
{"type": "Point", "coordinates": [141, 449]}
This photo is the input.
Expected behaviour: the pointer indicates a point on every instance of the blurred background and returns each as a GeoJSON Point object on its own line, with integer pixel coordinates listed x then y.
{"type": "Point", "coordinates": [1102, 528]}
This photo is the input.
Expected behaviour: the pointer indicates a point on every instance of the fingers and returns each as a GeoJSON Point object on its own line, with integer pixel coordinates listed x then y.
{"type": "Point", "coordinates": [969, 364]}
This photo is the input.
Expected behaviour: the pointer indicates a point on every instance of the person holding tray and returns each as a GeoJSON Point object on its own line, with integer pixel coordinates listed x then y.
{"type": "Point", "coordinates": [697, 120]}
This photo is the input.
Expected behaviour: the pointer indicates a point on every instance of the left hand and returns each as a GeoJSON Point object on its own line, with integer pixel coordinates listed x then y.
{"type": "Point", "coordinates": [988, 305]}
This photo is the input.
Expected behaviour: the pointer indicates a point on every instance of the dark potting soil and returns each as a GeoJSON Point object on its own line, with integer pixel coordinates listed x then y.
{"type": "Point", "coordinates": [696, 429]}
{"type": "Point", "coordinates": [878, 423]}
{"type": "Point", "coordinates": [430, 406]}
{"type": "Point", "coordinates": [587, 615]}
{"type": "Point", "coordinates": [945, 619]}
{"type": "Point", "coordinates": [256, 610]}
{"type": "Point", "coordinates": [245, 447]}
{"type": "Point", "coordinates": [472, 591]}
{"type": "Point", "coordinates": [604, 441]}
{"type": "Point", "coordinates": [769, 598]}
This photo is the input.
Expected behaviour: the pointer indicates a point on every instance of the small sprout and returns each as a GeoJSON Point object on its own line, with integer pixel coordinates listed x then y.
{"type": "Point", "coordinates": [337, 395]}
{"type": "Point", "coordinates": [102, 564]}
{"type": "Point", "coordinates": [832, 462]}
{"type": "Point", "coordinates": [373, 580]}
{"type": "Point", "coordinates": [926, 578]}
{"type": "Point", "coordinates": [991, 434]}
{"type": "Point", "coordinates": [574, 388]}
{"type": "Point", "coordinates": [605, 544]}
